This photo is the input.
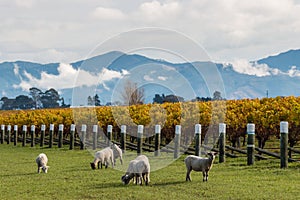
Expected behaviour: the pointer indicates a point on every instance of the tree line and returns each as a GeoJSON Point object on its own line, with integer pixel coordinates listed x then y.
{"type": "Point", "coordinates": [37, 99]}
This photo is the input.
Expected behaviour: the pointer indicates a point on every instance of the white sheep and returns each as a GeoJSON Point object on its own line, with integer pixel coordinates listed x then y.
{"type": "Point", "coordinates": [197, 164]}
{"type": "Point", "coordinates": [41, 162]}
{"type": "Point", "coordinates": [138, 169]}
{"type": "Point", "coordinates": [103, 157]}
{"type": "Point", "coordinates": [117, 153]}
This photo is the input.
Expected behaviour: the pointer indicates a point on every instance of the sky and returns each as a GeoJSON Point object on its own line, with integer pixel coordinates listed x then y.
{"type": "Point", "coordinates": [65, 31]}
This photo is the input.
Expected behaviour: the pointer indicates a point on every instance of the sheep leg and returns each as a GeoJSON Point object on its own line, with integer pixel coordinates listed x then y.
{"type": "Point", "coordinates": [203, 176]}
{"type": "Point", "coordinates": [39, 169]}
{"type": "Point", "coordinates": [188, 173]}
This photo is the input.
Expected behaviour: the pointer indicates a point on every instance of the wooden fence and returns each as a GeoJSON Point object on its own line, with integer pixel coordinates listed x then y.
{"type": "Point", "coordinates": [95, 139]}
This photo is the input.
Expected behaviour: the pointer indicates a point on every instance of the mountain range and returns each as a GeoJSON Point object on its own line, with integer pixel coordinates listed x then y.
{"type": "Point", "coordinates": [104, 75]}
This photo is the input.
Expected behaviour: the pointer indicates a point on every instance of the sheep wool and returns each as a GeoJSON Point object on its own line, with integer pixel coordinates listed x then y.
{"type": "Point", "coordinates": [41, 162]}
{"type": "Point", "coordinates": [199, 164]}
{"type": "Point", "coordinates": [103, 157]}
{"type": "Point", "coordinates": [139, 170]}
{"type": "Point", "coordinates": [117, 153]}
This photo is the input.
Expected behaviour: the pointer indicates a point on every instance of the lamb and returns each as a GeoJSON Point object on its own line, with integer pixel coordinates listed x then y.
{"type": "Point", "coordinates": [197, 164]}
{"type": "Point", "coordinates": [41, 162]}
{"type": "Point", "coordinates": [117, 153]}
{"type": "Point", "coordinates": [138, 169]}
{"type": "Point", "coordinates": [103, 157]}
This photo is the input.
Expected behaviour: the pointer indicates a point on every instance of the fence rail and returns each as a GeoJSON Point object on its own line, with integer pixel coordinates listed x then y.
{"type": "Point", "coordinates": [96, 139]}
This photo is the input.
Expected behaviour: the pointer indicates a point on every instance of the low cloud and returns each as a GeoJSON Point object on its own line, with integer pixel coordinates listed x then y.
{"type": "Point", "coordinates": [69, 77]}
{"type": "Point", "coordinates": [253, 68]}
{"type": "Point", "coordinates": [103, 13]}
{"type": "Point", "coordinates": [162, 78]}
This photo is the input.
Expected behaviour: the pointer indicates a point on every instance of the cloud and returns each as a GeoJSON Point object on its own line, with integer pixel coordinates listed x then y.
{"type": "Point", "coordinates": [162, 78]}
{"type": "Point", "coordinates": [293, 72]}
{"type": "Point", "coordinates": [69, 77]}
{"type": "Point", "coordinates": [253, 68]}
{"type": "Point", "coordinates": [148, 78]}
{"type": "Point", "coordinates": [103, 13]}
{"type": "Point", "coordinates": [155, 10]}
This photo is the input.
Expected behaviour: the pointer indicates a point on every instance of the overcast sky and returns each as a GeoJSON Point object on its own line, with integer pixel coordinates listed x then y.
{"type": "Point", "coordinates": [68, 30]}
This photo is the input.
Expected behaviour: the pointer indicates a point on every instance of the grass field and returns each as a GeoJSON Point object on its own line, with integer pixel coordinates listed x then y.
{"type": "Point", "coordinates": [70, 177]}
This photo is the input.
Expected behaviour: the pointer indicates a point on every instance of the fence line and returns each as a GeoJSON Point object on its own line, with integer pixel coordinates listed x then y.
{"type": "Point", "coordinates": [84, 139]}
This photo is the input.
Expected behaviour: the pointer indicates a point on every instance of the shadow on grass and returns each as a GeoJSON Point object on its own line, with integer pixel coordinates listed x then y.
{"type": "Point", "coordinates": [24, 174]}
{"type": "Point", "coordinates": [121, 185]}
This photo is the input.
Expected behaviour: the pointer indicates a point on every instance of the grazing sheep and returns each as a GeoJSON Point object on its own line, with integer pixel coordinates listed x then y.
{"type": "Point", "coordinates": [197, 164]}
{"type": "Point", "coordinates": [117, 153]}
{"type": "Point", "coordinates": [103, 157]}
{"type": "Point", "coordinates": [41, 162]}
{"type": "Point", "coordinates": [139, 168]}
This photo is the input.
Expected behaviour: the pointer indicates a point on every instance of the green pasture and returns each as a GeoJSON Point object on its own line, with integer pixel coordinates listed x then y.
{"type": "Point", "coordinates": [70, 177]}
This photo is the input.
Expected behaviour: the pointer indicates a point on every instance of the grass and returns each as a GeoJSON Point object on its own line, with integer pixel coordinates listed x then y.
{"type": "Point", "coordinates": [70, 177]}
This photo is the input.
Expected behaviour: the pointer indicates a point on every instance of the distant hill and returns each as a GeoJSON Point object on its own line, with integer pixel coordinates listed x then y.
{"type": "Point", "coordinates": [157, 77]}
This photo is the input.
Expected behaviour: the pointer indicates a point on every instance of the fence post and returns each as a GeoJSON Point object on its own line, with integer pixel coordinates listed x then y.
{"type": "Point", "coordinates": [72, 136]}
{"type": "Point", "coordinates": [123, 138]}
{"type": "Point", "coordinates": [24, 132]}
{"type": "Point", "coordinates": [15, 134]}
{"type": "Point", "coordinates": [109, 134]}
{"type": "Point", "coordinates": [177, 141]}
{"type": "Point", "coordinates": [2, 133]}
{"type": "Point", "coordinates": [157, 140]}
{"type": "Point", "coordinates": [8, 133]}
{"type": "Point", "coordinates": [197, 139]}
{"type": "Point", "coordinates": [140, 139]}
{"type": "Point", "coordinates": [95, 136]}
{"type": "Point", "coordinates": [32, 133]}
{"type": "Point", "coordinates": [60, 135]}
{"type": "Point", "coordinates": [43, 129]}
{"type": "Point", "coordinates": [83, 136]}
{"type": "Point", "coordinates": [284, 129]}
{"type": "Point", "coordinates": [250, 143]}
{"type": "Point", "coordinates": [51, 132]}
{"type": "Point", "coordinates": [222, 141]}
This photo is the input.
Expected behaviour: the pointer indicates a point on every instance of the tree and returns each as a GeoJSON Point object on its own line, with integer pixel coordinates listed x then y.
{"type": "Point", "coordinates": [217, 96]}
{"type": "Point", "coordinates": [97, 100]}
{"type": "Point", "coordinates": [132, 95]}
{"type": "Point", "coordinates": [36, 96]}
{"type": "Point", "coordinates": [90, 101]}
{"type": "Point", "coordinates": [50, 99]}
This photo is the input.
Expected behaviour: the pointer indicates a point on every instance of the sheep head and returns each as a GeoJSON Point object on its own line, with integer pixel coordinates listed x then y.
{"type": "Point", "coordinates": [93, 166]}
{"type": "Point", "coordinates": [45, 169]}
{"type": "Point", "coordinates": [126, 179]}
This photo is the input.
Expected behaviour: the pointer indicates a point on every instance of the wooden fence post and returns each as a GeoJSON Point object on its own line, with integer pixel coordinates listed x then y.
{"type": "Point", "coordinates": [8, 134]}
{"type": "Point", "coordinates": [32, 133]}
{"type": "Point", "coordinates": [177, 141]}
{"type": "Point", "coordinates": [60, 135]}
{"type": "Point", "coordinates": [51, 132]}
{"type": "Point", "coordinates": [157, 140]}
{"type": "Point", "coordinates": [222, 141]}
{"type": "Point", "coordinates": [123, 138]}
{"type": "Point", "coordinates": [2, 133]}
{"type": "Point", "coordinates": [109, 134]}
{"type": "Point", "coordinates": [197, 139]}
{"type": "Point", "coordinates": [24, 133]}
{"type": "Point", "coordinates": [95, 136]}
{"type": "Point", "coordinates": [83, 136]}
{"type": "Point", "coordinates": [284, 129]}
{"type": "Point", "coordinates": [15, 134]}
{"type": "Point", "coordinates": [140, 139]}
{"type": "Point", "coordinates": [72, 136]}
{"type": "Point", "coordinates": [43, 129]}
{"type": "Point", "coordinates": [250, 143]}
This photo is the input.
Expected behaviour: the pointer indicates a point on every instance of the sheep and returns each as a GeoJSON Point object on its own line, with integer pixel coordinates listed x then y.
{"type": "Point", "coordinates": [41, 162]}
{"type": "Point", "coordinates": [138, 169]}
{"type": "Point", "coordinates": [197, 164]}
{"type": "Point", "coordinates": [103, 157]}
{"type": "Point", "coordinates": [117, 153]}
